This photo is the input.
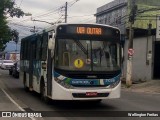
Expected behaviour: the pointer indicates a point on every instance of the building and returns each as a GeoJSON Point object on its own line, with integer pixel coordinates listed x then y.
{"type": "Point", "coordinates": [14, 56]}
{"type": "Point", "coordinates": [146, 47]}
{"type": "Point", "coordinates": [11, 52]}
{"type": "Point", "coordinates": [113, 13]}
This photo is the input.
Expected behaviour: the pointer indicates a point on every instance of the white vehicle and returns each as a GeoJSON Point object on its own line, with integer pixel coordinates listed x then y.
{"type": "Point", "coordinates": [73, 62]}
{"type": "Point", "coordinates": [7, 64]}
{"type": "Point", "coordinates": [1, 62]}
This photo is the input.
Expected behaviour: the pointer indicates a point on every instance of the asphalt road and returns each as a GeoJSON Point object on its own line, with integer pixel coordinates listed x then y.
{"type": "Point", "coordinates": [129, 101]}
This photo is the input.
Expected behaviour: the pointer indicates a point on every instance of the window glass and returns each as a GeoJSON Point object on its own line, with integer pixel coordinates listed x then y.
{"type": "Point", "coordinates": [44, 46]}
{"type": "Point", "coordinates": [86, 55]}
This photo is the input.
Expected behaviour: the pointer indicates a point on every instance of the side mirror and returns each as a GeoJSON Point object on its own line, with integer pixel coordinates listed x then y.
{"type": "Point", "coordinates": [51, 42]}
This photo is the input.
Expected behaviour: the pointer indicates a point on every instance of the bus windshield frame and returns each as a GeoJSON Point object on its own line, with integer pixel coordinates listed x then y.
{"type": "Point", "coordinates": [93, 49]}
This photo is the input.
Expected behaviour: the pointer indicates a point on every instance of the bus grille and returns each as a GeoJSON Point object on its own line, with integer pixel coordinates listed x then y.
{"type": "Point", "coordinates": [83, 95]}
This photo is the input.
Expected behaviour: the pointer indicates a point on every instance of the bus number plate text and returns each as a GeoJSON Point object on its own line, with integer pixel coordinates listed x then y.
{"type": "Point", "coordinates": [91, 93]}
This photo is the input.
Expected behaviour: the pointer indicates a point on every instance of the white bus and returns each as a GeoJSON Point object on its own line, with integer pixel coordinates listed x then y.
{"type": "Point", "coordinates": [73, 62]}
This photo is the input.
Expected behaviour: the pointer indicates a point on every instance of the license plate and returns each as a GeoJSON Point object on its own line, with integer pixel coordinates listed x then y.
{"type": "Point", "coordinates": [91, 93]}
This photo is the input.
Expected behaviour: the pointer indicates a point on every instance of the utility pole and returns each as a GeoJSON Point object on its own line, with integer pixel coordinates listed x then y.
{"type": "Point", "coordinates": [148, 35]}
{"type": "Point", "coordinates": [66, 12]}
{"type": "Point", "coordinates": [34, 30]}
{"type": "Point", "coordinates": [132, 16]}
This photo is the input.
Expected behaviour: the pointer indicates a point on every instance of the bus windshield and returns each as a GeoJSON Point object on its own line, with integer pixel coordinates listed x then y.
{"type": "Point", "coordinates": [87, 55]}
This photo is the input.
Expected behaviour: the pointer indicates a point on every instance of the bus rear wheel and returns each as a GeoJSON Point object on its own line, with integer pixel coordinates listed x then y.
{"type": "Point", "coordinates": [25, 83]}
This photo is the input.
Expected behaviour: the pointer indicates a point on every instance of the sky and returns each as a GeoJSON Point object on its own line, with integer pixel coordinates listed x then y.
{"type": "Point", "coordinates": [11, 46]}
{"type": "Point", "coordinates": [80, 11]}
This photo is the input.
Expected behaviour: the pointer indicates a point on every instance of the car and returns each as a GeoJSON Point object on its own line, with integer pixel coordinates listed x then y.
{"type": "Point", "coordinates": [7, 64]}
{"type": "Point", "coordinates": [14, 71]}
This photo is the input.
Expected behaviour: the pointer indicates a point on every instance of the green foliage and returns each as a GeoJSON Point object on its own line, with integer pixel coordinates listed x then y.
{"type": "Point", "coordinates": [4, 32]}
{"type": "Point", "coordinates": [7, 8]}
{"type": "Point", "coordinates": [146, 13]}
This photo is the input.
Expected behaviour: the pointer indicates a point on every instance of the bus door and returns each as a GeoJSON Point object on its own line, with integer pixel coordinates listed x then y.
{"type": "Point", "coordinates": [49, 69]}
{"type": "Point", "coordinates": [49, 74]}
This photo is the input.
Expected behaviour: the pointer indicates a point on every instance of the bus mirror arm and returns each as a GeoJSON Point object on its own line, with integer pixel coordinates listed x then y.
{"type": "Point", "coordinates": [51, 42]}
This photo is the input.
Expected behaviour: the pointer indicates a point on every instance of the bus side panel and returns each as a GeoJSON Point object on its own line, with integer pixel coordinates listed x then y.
{"type": "Point", "coordinates": [36, 75]}
{"type": "Point", "coordinates": [24, 67]}
{"type": "Point", "coordinates": [21, 76]}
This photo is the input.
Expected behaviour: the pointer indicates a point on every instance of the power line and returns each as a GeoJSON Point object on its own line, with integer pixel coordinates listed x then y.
{"type": "Point", "coordinates": [24, 25]}
{"type": "Point", "coordinates": [22, 30]}
{"type": "Point", "coordinates": [73, 2]}
{"type": "Point", "coordinates": [87, 19]}
{"type": "Point", "coordinates": [68, 17]}
{"type": "Point", "coordinates": [59, 19]}
{"type": "Point", "coordinates": [80, 16]}
{"type": "Point", "coordinates": [51, 11]}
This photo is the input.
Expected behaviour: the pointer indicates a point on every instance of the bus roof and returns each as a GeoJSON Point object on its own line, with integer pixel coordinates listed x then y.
{"type": "Point", "coordinates": [56, 26]}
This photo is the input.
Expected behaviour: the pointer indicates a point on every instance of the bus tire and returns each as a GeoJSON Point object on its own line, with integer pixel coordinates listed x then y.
{"type": "Point", "coordinates": [43, 92]}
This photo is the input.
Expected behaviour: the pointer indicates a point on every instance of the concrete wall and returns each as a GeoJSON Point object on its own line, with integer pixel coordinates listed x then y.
{"type": "Point", "coordinates": [113, 13]}
{"type": "Point", "coordinates": [141, 71]}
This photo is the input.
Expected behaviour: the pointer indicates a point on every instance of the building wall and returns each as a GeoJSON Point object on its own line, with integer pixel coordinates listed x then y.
{"type": "Point", "coordinates": [110, 5]}
{"type": "Point", "coordinates": [141, 71]}
{"type": "Point", "coordinates": [110, 14]}
{"type": "Point", "coordinates": [116, 13]}
{"type": "Point", "coordinates": [12, 56]}
{"type": "Point", "coordinates": [113, 13]}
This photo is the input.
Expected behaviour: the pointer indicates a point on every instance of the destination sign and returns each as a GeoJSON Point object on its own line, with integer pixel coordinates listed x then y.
{"type": "Point", "coordinates": [89, 30]}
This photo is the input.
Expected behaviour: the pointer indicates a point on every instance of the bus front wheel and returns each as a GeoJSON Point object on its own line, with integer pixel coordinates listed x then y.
{"type": "Point", "coordinates": [43, 93]}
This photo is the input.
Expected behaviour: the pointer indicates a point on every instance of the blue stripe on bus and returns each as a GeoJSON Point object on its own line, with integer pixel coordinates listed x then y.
{"type": "Point", "coordinates": [87, 82]}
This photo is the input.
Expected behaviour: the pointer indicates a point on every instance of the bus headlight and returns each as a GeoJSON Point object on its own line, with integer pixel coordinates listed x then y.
{"type": "Point", "coordinates": [113, 85]}
{"type": "Point", "coordinates": [63, 83]}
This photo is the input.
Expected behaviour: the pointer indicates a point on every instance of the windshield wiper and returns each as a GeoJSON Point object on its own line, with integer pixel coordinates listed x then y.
{"type": "Point", "coordinates": [81, 46]}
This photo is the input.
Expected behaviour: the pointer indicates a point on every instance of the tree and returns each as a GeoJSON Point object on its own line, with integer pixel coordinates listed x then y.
{"type": "Point", "coordinates": [7, 8]}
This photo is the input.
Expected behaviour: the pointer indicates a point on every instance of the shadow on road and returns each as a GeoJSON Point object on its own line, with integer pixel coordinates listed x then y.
{"type": "Point", "coordinates": [73, 105]}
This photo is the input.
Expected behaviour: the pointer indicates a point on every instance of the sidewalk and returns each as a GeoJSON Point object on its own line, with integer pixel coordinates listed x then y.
{"type": "Point", "coordinates": [151, 86]}
{"type": "Point", "coordinates": [8, 104]}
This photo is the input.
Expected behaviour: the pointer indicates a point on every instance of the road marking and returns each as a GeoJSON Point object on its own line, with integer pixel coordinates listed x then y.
{"type": "Point", "coordinates": [15, 102]}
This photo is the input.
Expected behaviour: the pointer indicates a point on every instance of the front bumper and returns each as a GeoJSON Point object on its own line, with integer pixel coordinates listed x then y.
{"type": "Point", "coordinates": [61, 93]}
